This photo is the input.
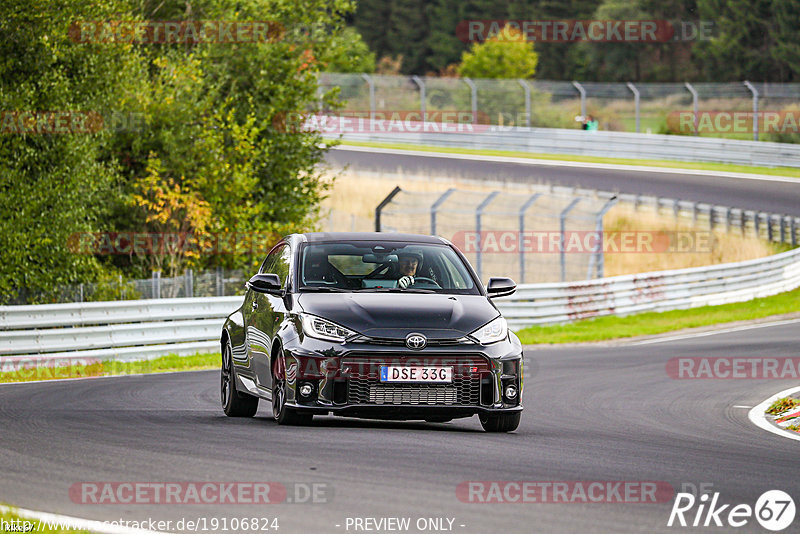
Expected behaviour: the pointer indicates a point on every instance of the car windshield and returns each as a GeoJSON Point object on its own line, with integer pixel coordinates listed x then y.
{"type": "Point", "coordinates": [384, 267]}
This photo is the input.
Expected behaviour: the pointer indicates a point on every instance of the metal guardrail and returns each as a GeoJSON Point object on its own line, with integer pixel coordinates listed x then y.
{"type": "Point", "coordinates": [594, 143]}
{"type": "Point", "coordinates": [132, 330]}
{"type": "Point", "coordinates": [542, 304]}
{"type": "Point", "coordinates": [121, 330]}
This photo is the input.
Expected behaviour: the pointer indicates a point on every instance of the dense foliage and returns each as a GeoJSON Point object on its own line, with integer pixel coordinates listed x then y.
{"type": "Point", "coordinates": [198, 144]}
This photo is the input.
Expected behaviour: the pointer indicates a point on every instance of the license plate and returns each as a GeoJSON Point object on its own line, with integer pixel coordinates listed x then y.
{"type": "Point", "coordinates": [393, 373]}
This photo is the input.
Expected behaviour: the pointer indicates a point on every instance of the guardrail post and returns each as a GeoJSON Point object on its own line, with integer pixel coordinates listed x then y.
{"type": "Point", "coordinates": [694, 105]}
{"type": "Point", "coordinates": [676, 208]}
{"type": "Point", "coordinates": [710, 217]}
{"type": "Point", "coordinates": [156, 285]}
{"type": "Point", "coordinates": [478, 214]}
{"type": "Point", "coordinates": [382, 205]}
{"type": "Point", "coordinates": [81, 297]}
{"type": "Point", "coordinates": [755, 108]}
{"type": "Point", "coordinates": [220, 282]}
{"type": "Point", "coordinates": [728, 217]}
{"type": "Point", "coordinates": [522, 210]}
{"type": "Point", "coordinates": [188, 283]}
{"type": "Point", "coordinates": [474, 98]}
{"type": "Point", "coordinates": [422, 104]}
{"type": "Point", "coordinates": [582, 92]}
{"type": "Point", "coordinates": [598, 255]}
{"type": "Point", "coordinates": [435, 208]}
{"type": "Point", "coordinates": [793, 229]}
{"type": "Point", "coordinates": [527, 89]}
{"type": "Point", "coordinates": [694, 213]}
{"type": "Point", "coordinates": [563, 222]}
{"type": "Point", "coordinates": [635, 102]}
{"type": "Point", "coordinates": [371, 83]}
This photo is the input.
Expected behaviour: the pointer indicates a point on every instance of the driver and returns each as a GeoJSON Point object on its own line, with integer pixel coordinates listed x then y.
{"type": "Point", "coordinates": [408, 261]}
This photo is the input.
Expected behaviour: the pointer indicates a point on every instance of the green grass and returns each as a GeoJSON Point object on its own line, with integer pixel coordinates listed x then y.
{"type": "Point", "coordinates": [82, 368]}
{"type": "Point", "coordinates": [723, 167]}
{"type": "Point", "coordinates": [33, 525]}
{"type": "Point", "coordinates": [605, 328]}
{"type": "Point", "coordinates": [781, 405]}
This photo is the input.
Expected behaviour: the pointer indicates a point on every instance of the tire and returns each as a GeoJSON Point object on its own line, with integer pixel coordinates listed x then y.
{"type": "Point", "coordinates": [234, 404]}
{"type": "Point", "coordinates": [507, 422]}
{"type": "Point", "coordinates": [282, 414]}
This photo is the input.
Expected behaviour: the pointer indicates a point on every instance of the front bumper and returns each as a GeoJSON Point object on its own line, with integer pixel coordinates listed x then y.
{"type": "Point", "coordinates": [344, 380]}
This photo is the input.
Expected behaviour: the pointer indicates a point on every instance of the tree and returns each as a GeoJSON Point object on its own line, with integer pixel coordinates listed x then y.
{"type": "Point", "coordinates": [506, 55]}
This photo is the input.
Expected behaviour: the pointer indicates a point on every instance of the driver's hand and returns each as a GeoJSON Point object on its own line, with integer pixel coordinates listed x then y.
{"type": "Point", "coordinates": [405, 281]}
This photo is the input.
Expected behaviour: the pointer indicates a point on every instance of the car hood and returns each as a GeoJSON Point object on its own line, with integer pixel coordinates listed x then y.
{"type": "Point", "coordinates": [395, 315]}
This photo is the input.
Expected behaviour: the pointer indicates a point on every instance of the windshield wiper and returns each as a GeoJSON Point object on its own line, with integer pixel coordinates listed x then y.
{"type": "Point", "coordinates": [323, 289]}
{"type": "Point", "coordinates": [394, 290]}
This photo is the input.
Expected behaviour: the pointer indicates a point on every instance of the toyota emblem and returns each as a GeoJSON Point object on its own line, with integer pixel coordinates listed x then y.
{"type": "Point", "coordinates": [416, 341]}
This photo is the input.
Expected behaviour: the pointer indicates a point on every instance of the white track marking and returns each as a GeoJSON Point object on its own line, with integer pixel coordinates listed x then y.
{"type": "Point", "coordinates": [74, 522]}
{"type": "Point", "coordinates": [575, 164]}
{"type": "Point", "coordinates": [713, 332]}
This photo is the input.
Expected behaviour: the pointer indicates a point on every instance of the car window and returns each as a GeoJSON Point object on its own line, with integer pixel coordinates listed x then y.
{"type": "Point", "coordinates": [277, 262]}
{"type": "Point", "coordinates": [364, 266]}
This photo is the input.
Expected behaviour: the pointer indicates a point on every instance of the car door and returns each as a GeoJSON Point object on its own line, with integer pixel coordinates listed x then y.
{"type": "Point", "coordinates": [268, 312]}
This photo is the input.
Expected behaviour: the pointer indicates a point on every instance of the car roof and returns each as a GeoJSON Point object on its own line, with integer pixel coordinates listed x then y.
{"type": "Point", "coordinates": [324, 237]}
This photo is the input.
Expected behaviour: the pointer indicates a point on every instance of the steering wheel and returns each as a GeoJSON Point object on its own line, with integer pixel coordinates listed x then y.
{"type": "Point", "coordinates": [424, 279]}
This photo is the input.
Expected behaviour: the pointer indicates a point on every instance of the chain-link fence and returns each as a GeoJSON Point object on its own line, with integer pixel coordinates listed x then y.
{"type": "Point", "coordinates": [217, 283]}
{"type": "Point", "coordinates": [523, 236]}
{"type": "Point", "coordinates": [708, 109]}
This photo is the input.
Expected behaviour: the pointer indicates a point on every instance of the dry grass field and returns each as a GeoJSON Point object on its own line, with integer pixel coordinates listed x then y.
{"type": "Point", "coordinates": [350, 206]}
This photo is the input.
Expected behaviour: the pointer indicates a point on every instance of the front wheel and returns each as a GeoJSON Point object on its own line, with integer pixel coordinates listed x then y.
{"type": "Point", "coordinates": [234, 404]}
{"type": "Point", "coordinates": [506, 422]}
{"type": "Point", "coordinates": [282, 414]}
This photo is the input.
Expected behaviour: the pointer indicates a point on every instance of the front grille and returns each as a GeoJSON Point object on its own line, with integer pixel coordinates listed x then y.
{"type": "Point", "coordinates": [364, 386]}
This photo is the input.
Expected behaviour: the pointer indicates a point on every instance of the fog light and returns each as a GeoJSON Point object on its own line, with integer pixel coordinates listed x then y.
{"type": "Point", "coordinates": [511, 392]}
{"type": "Point", "coordinates": [306, 390]}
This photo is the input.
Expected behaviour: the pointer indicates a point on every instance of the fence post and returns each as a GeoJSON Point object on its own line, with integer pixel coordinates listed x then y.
{"type": "Point", "coordinates": [371, 83]}
{"type": "Point", "coordinates": [474, 98]}
{"type": "Point", "coordinates": [435, 208]}
{"type": "Point", "coordinates": [422, 106]}
{"type": "Point", "coordinates": [782, 220]}
{"type": "Point", "coordinates": [769, 227]}
{"type": "Point", "coordinates": [478, 214]}
{"type": "Point", "coordinates": [755, 108]}
{"type": "Point", "coordinates": [635, 102]}
{"type": "Point", "coordinates": [156, 285]}
{"type": "Point", "coordinates": [382, 205]}
{"type": "Point", "coordinates": [694, 105]}
{"type": "Point", "coordinates": [522, 210]}
{"type": "Point", "coordinates": [188, 282]}
{"type": "Point", "coordinates": [582, 92]}
{"type": "Point", "coordinates": [527, 89]}
{"type": "Point", "coordinates": [562, 222]}
{"type": "Point", "coordinates": [598, 255]}
{"type": "Point", "coordinates": [793, 229]}
{"type": "Point", "coordinates": [756, 222]}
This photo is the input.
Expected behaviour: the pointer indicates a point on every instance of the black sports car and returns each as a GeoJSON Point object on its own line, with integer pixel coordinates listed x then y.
{"type": "Point", "coordinates": [375, 325]}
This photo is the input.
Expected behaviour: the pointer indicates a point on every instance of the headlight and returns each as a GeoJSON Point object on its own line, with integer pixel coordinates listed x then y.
{"type": "Point", "coordinates": [323, 329]}
{"type": "Point", "coordinates": [491, 332]}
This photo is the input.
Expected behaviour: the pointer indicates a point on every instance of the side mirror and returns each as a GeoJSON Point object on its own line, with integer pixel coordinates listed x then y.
{"type": "Point", "coordinates": [500, 287]}
{"type": "Point", "coordinates": [265, 283]}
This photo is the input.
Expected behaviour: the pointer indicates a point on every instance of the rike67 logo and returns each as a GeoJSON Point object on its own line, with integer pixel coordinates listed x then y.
{"type": "Point", "coordinates": [774, 510]}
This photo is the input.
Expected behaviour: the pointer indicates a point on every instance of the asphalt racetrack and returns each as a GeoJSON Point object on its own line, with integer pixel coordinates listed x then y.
{"type": "Point", "coordinates": [593, 413]}
{"type": "Point", "coordinates": [781, 196]}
